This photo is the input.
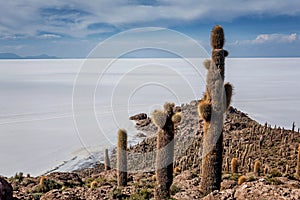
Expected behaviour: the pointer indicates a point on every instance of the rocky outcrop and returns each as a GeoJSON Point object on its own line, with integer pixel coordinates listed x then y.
{"type": "Point", "coordinates": [138, 117]}
{"type": "Point", "coordinates": [141, 119]}
{"type": "Point", "coordinates": [66, 179]}
{"type": "Point", "coordinates": [258, 190]}
{"type": "Point", "coordinates": [78, 193]}
{"type": "Point", "coordinates": [273, 147]}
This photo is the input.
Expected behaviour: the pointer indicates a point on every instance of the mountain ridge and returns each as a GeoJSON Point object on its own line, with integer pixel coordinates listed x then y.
{"type": "Point", "coordinates": [16, 56]}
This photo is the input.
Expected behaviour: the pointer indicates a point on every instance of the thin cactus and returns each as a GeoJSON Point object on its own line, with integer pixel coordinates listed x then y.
{"type": "Point", "coordinates": [234, 165]}
{"type": "Point", "coordinates": [257, 166]}
{"type": "Point", "coordinates": [298, 163]}
{"type": "Point", "coordinates": [227, 164]}
{"type": "Point", "coordinates": [293, 127]}
{"type": "Point", "coordinates": [287, 167]}
{"type": "Point", "coordinates": [249, 166]}
{"type": "Point", "coordinates": [122, 157]}
{"type": "Point", "coordinates": [266, 170]}
{"type": "Point", "coordinates": [106, 160]}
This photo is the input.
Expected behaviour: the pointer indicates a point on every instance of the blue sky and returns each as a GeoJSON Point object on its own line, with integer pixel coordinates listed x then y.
{"type": "Point", "coordinates": [253, 28]}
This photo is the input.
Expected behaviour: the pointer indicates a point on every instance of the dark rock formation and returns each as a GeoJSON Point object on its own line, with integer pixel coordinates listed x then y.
{"type": "Point", "coordinates": [6, 190]}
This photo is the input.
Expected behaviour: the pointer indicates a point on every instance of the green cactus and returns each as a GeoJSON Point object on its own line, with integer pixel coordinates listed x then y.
{"type": "Point", "coordinates": [106, 160]}
{"type": "Point", "coordinates": [122, 157]}
{"type": "Point", "coordinates": [165, 121]}
{"type": "Point", "coordinates": [211, 108]}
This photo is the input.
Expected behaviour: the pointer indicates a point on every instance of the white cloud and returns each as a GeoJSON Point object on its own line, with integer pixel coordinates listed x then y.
{"type": "Point", "coordinates": [49, 36]}
{"type": "Point", "coordinates": [270, 38]}
{"type": "Point", "coordinates": [279, 38]}
{"type": "Point", "coordinates": [27, 17]}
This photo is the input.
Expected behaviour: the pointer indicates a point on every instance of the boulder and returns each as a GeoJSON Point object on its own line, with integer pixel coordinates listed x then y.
{"type": "Point", "coordinates": [6, 190]}
{"type": "Point", "coordinates": [138, 117]}
{"type": "Point", "coordinates": [143, 122]}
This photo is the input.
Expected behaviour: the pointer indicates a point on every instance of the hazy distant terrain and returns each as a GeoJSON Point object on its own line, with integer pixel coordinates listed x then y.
{"type": "Point", "coordinates": [15, 56]}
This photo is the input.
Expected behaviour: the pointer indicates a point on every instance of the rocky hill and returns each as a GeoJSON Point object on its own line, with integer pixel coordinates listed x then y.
{"type": "Point", "coordinates": [272, 151]}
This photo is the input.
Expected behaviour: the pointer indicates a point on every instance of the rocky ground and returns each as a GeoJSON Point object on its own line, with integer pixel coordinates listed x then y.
{"type": "Point", "coordinates": [245, 139]}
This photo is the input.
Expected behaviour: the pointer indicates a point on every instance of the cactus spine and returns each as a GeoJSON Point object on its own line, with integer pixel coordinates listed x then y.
{"type": "Point", "coordinates": [211, 109]}
{"type": "Point", "coordinates": [106, 160]}
{"type": "Point", "coordinates": [122, 157]}
{"type": "Point", "coordinates": [165, 149]}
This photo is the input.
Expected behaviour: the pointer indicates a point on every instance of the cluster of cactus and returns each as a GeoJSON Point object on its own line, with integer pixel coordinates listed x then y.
{"type": "Point", "coordinates": [19, 176]}
{"type": "Point", "coordinates": [211, 108]}
{"type": "Point", "coordinates": [122, 157]}
{"type": "Point", "coordinates": [165, 121]}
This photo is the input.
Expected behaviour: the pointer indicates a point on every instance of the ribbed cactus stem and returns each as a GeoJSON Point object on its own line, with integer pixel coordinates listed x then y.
{"type": "Point", "coordinates": [211, 108]}
{"type": "Point", "coordinates": [122, 157]}
{"type": "Point", "coordinates": [245, 154]}
{"type": "Point", "coordinates": [106, 160]}
{"type": "Point", "coordinates": [165, 121]}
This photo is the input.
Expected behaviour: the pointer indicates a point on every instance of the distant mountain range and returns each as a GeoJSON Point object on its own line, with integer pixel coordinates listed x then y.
{"type": "Point", "coordinates": [15, 56]}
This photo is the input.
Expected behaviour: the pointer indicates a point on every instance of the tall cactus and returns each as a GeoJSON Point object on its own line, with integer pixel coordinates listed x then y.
{"type": "Point", "coordinates": [298, 164]}
{"type": "Point", "coordinates": [211, 108]}
{"type": "Point", "coordinates": [165, 121]}
{"type": "Point", "coordinates": [122, 157]}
